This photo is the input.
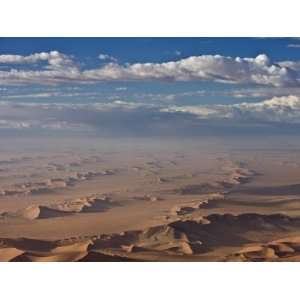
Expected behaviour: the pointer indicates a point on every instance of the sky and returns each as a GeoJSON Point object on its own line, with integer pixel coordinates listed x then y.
{"type": "Point", "coordinates": [151, 86]}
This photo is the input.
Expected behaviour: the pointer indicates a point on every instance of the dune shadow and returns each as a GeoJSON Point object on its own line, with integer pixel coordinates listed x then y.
{"type": "Point", "coordinates": [291, 189]}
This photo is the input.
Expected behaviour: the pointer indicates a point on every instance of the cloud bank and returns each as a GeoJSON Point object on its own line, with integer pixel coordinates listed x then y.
{"type": "Point", "coordinates": [278, 109]}
{"type": "Point", "coordinates": [130, 118]}
{"type": "Point", "coordinates": [61, 68]}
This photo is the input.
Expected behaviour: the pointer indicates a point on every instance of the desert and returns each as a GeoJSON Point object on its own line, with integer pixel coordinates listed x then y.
{"type": "Point", "coordinates": [118, 202]}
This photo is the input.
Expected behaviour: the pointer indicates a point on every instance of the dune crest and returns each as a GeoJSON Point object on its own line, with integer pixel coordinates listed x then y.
{"type": "Point", "coordinates": [87, 204]}
{"type": "Point", "coordinates": [176, 240]}
{"type": "Point", "coordinates": [287, 249]}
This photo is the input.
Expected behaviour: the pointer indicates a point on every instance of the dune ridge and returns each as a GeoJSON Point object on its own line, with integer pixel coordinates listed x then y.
{"type": "Point", "coordinates": [189, 208]}
{"type": "Point", "coordinates": [176, 240]}
{"type": "Point", "coordinates": [51, 184]}
{"type": "Point", "coordinates": [287, 249]}
{"type": "Point", "coordinates": [87, 204]}
{"type": "Point", "coordinates": [234, 175]}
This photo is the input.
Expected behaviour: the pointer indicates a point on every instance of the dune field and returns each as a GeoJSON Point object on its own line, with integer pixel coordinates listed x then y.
{"type": "Point", "coordinates": [77, 200]}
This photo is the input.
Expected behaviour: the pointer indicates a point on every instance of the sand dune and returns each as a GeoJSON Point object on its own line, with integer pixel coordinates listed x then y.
{"type": "Point", "coordinates": [52, 184]}
{"type": "Point", "coordinates": [189, 208]}
{"type": "Point", "coordinates": [9, 253]}
{"type": "Point", "coordinates": [93, 256]}
{"type": "Point", "coordinates": [87, 204]}
{"type": "Point", "coordinates": [235, 175]}
{"type": "Point", "coordinates": [203, 188]}
{"type": "Point", "coordinates": [148, 198]}
{"type": "Point", "coordinates": [156, 206]}
{"type": "Point", "coordinates": [286, 203]}
{"type": "Point", "coordinates": [41, 212]}
{"type": "Point", "coordinates": [176, 239]}
{"type": "Point", "coordinates": [287, 249]}
{"type": "Point", "coordinates": [46, 251]}
{"type": "Point", "coordinates": [91, 203]}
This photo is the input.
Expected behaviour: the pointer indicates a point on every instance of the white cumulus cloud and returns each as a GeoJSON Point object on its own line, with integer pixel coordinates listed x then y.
{"type": "Point", "coordinates": [61, 68]}
{"type": "Point", "coordinates": [284, 109]}
{"type": "Point", "coordinates": [258, 70]}
{"type": "Point", "coordinates": [103, 56]}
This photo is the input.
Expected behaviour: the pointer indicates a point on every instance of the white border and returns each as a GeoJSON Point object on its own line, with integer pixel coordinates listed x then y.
{"type": "Point", "coordinates": [153, 281]}
{"type": "Point", "coordinates": [149, 18]}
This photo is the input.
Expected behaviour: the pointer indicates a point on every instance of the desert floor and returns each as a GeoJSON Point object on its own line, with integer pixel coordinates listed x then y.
{"type": "Point", "coordinates": [149, 200]}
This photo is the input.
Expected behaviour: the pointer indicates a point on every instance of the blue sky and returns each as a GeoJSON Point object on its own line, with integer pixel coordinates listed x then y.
{"type": "Point", "coordinates": [153, 49]}
{"type": "Point", "coordinates": [85, 52]}
{"type": "Point", "coordinates": [213, 79]}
